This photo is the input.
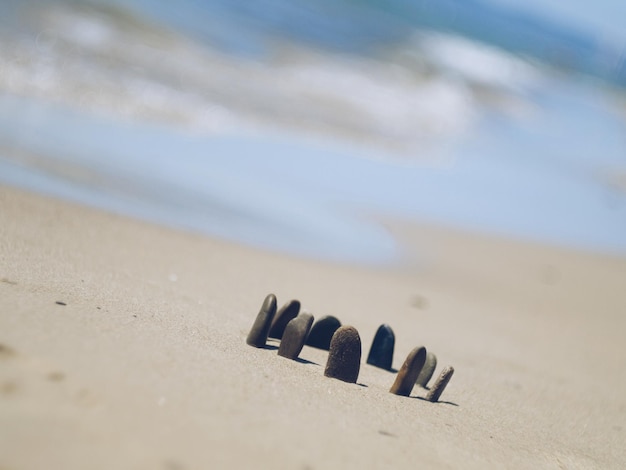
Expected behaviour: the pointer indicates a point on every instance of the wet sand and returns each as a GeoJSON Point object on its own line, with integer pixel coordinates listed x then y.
{"type": "Point", "coordinates": [123, 344]}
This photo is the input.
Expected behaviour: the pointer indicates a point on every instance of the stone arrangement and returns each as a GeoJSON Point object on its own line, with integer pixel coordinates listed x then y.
{"type": "Point", "coordinates": [294, 329]}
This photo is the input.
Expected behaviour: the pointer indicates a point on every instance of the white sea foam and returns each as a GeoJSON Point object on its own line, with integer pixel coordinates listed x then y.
{"type": "Point", "coordinates": [479, 63]}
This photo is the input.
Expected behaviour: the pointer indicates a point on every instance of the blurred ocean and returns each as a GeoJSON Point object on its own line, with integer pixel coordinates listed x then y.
{"type": "Point", "coordinates": [295, 125]}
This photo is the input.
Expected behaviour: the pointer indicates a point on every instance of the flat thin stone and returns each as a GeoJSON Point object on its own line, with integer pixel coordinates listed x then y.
{"type": "Point", "coordinates": [287, 312]}
{"type": "Point", "coordinates": [381, 352]}
{"type": "Point", "coordinates": [427, 371]}
{"type": "Point", "coordinates": [344, 356]}
{"type": "Point", "coordinates": [295, 335]}
{"type": "Point", "coordinates": [261, 327]}
{"type": "Point", "coordinates": [322, 332]}
{"type": "Point", "coordinates": [440, 384]}
{"type": "Point", "coordinates": [405, 380]}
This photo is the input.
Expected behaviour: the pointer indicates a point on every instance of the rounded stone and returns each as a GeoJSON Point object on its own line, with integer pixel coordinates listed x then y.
{"type": "Point", "coordinates": [295, 335]}
{"type": "Point", "coordinates": [440, 385]}
{"type": "Point", "coordinates": [287, 312]}
{"type": "Point", "coordinates": [405, 380]}
{"type": "Point", "coordinates": [261, 327]}
{"type": "Point", "coordinates": [381, 352]}
{"type": "Point", "coordinates": [344, 356]}
{"type": "Point", "coordinates": [322, 332]}
{"type": "Point", "coordinates": [427, 371]}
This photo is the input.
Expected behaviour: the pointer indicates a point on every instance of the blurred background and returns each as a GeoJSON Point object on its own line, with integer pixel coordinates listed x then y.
{"type": "Point", "coordinates": [295, 125]}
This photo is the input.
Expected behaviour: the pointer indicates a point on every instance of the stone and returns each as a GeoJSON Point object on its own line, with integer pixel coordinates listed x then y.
{"type": "Point", "coordinates": [287, 312]}
{"type": "Point", "coordinates": [440, 384]}
{"type": "Point", "coordinates": [381, 352]}
{"type": "Point", "coordinates": [261, 327]}
{"type": "Point", "coordinates": [322, 332]}
{"type": "Point", "coordinates": [427, 371]}
{"type": "Point", "coordinates": [344, 356]}
{"type": "Point", "coordinates": [405, 380]}
{"type": "Point", "coordinates": [295, 335]}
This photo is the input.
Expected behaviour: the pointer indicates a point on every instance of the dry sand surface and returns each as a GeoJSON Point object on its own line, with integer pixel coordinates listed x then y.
{"type": "Point", "coordinates": [146, 365]}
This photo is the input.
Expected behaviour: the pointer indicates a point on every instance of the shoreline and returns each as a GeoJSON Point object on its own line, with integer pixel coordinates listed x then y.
{"type": "Point", "coordinates": [318, 197]}
{"type": "Point", "coordinates": [146, 365]}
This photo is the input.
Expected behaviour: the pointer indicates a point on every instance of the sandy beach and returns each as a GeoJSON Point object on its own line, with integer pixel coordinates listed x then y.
{"type": "Point", "coordinates": [122, 345]}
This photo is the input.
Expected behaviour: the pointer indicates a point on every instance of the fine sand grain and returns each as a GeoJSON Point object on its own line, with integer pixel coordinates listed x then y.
{"type": "Point", "coordinates": [123, 345]}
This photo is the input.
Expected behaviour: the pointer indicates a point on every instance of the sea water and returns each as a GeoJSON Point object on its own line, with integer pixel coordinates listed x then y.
{"type": "Point", "coordinates": [296, 125]}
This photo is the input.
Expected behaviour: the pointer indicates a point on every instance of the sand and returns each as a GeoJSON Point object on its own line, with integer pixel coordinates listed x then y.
{"type": "Point", "coordinates": [145, 366]}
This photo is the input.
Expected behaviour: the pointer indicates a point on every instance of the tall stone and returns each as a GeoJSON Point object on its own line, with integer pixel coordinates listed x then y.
{"type": "Point", "coordinates": [381, 352]}
{"type": "Point", "coordinates": [261, 327]}
{"type": "Point", "coordinates": [295, 335]}
{"type": "Point", "coordinates": [344, 355]}
{"type": "Point", "coordinates": [287, 312]}
{"type": "Point", "coordinates": [405, 380]}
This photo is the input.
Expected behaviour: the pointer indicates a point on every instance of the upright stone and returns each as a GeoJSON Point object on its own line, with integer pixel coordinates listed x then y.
{"type": "Point", "coordinates": [440, 384]}
{"type": "Point", "coordinates": [405, 380]}
{"type": "Point", "coordinates": [295, 335]}
{"type": "Point", "coordinates": [427, 370]}
{"type": "Point", "coordinates": [261, 327]}
{"type": "Point", "coordinates": [287, 312]}
{"type": "Point", "coordinates": [344, 356]}
{"type": "Point", "coordinates": [322, 332]}
{"type": "Point", "coordinates": [381, 352]}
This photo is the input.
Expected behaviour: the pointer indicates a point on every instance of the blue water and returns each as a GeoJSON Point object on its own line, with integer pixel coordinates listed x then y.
{"type": "Point", "coordinates": [295, 126]}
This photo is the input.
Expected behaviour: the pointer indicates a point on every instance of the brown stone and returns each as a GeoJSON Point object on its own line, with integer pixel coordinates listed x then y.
{"type": "Point", "coordinates": [287, 312]}
{"type": "Point", "coordinates": [295, 335]}
{"type": "Point", "coordinates": [261, 327]}
{"type": "Point", "coordinates": [344, 356]}
{"type": "Point", "coordinates": [440, 384]}
{"type": "Point", "coordinates": [405, 380]}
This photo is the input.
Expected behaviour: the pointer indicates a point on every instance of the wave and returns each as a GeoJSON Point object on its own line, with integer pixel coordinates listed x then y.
{"type": "Point", "coordinates": [110, 60]}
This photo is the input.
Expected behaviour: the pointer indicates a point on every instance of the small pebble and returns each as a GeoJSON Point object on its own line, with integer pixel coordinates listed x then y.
{"type": "Point", "coordinates": [287, 312]}
{"type": "Point", "coordinates": [344, 357]}
{"type": "Point", "coordinates": [427, 371]}
{"type": "Point", "coordinates": [261, 327]}
{"type": "Point", "coordinates": [381, 352]}
{"type": "Point", "coordinates": [322, 332]}
{"type": "Point", "coordinates": [58, 302]}
{"type": "Point", "coordinates": [295, 335]}
{"type": "Point", "coordinates": [405, 380]}
{"type": "Point", "coordinates": [440, 384]}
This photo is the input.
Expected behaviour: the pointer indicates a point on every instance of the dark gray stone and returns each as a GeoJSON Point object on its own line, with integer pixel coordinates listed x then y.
{"type": "Point", "coordinates": [261, 327]}
{"type": "Point", "coordinates": [287, 312]}
{"type": "Point", "coordinates": [295, 335]}
{"type": "Point", "coordinates": [381, 352]}
{"type": "Point", "coordinates": [405, 380]}
{"type": "Point", "coordinates": [427, 371]}
{"type": "Point", "coordinates": [344, 356]}
{"type": "Point", "coordinates": [440, 384]}
{"type": "Point", "coordinates": [322, 332]}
